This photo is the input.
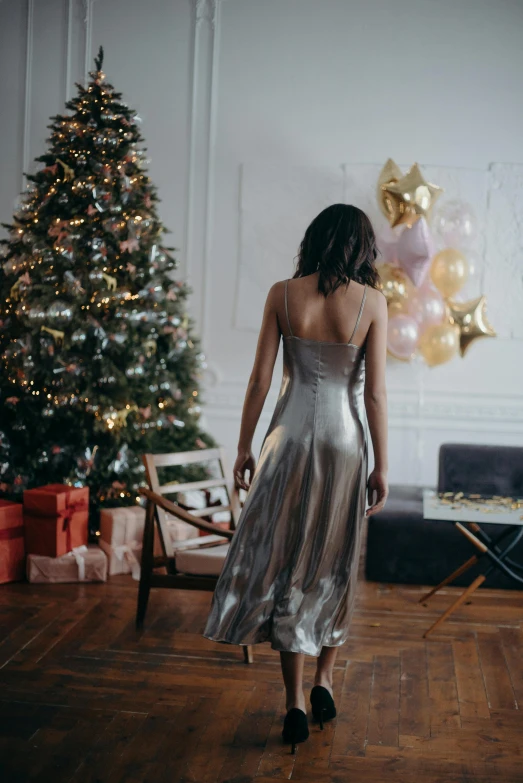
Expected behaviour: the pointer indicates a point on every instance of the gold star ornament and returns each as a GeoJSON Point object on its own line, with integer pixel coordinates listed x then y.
{"type": "Point", "coordinates": [471, 319]}
{"type": "Point", "coordinates": [408, 198]}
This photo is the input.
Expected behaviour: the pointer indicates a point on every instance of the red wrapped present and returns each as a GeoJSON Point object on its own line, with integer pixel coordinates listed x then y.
{"type": "Point", "coordinates": [12, 548]}
{"type": "Point", "coordinates": [55, 519]}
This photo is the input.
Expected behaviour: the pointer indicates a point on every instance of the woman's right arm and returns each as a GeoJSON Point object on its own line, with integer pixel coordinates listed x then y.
{"type": "Point", "coordinates": [375, 395]}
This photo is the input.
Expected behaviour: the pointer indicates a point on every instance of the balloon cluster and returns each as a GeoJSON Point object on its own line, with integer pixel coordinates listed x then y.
{"type": "Point", "coordinates": [419, 284]}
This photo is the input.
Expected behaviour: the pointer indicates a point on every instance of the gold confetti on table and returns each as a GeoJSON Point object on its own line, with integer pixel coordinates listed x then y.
{"type": "Point", "coordinates": [484, 504]}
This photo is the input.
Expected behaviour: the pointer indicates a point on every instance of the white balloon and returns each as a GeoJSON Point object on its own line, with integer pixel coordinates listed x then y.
{"type": "Point", "coordinates": [456, 223]}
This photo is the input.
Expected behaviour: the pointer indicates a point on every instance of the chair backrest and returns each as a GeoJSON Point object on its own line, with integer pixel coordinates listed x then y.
{"type": "Point", "coordinates": [486, 470]}
{"type": "Point", "coordinates": [221, 480]}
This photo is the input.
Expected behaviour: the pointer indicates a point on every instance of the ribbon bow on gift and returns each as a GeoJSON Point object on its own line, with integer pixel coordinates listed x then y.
{"type": "Point", "coordinates": [129, 551]}
{"type": "Point", "coordinates": [72, 508]}
{"type": "Point", "coordinates": [78, 553]}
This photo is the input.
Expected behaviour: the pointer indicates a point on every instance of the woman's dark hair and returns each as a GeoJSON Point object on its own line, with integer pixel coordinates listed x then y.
{"type": "Point", "coordinates": [339, 244]}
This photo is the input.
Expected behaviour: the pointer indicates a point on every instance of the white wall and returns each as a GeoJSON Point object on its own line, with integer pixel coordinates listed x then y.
{"type": "Point", "coordinates": [258, 114]}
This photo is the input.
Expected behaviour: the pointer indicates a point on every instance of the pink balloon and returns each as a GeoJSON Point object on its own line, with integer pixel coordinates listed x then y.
{"type": "Point", "coordinates": [387, 243]}
{"type": "Point", "coordinates": [402, 336]}
{"type": "Point", "coordinates": [426, 306]}
{"type": "Point", "coordinates": [415, 250]}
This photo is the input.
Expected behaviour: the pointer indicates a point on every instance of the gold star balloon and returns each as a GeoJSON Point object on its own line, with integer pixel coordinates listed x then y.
{"type": "Point", "coordinates": [409, 197]}
{"type": "Point", "coordinates": [471, 319]}
{"type": "Point", "coordinates": [390, 172]}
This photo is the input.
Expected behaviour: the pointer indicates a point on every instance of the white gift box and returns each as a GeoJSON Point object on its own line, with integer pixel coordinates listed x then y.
{"type": "Point", "coordinates": [82, 564]}
{"type": "Point", "coordinates": [178, 529]}
{"type": "Point", "coordinates": [121, 534]}
{"type": "Point", "coordinates": [196, 499]}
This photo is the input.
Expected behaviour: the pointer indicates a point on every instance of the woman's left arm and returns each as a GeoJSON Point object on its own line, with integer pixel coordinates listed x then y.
{"type": "Point", "coordinates": [258, 386]}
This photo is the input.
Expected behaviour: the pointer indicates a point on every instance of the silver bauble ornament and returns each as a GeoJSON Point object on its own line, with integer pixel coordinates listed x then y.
{"type": "Point", "coordinates": [78, 337]}
{"type": "Point", "coordinates": [60, 311]}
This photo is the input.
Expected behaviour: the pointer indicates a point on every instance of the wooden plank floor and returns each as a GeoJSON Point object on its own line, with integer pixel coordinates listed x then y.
{"type": "Point", "coordinates": [85, 699]}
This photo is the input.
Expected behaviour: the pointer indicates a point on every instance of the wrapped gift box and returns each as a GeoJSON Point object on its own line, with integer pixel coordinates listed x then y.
{"type": "Point", "coordinates": [121, 534]}
{"type": "Point", "coordinates": [55, 519]}
{"type": "Point", "coordinates": [12, 547]}
{"type": "Point", "coordinates": [178, 529]}
{"type": "Point", "coordinates": [198, 499]}
{"type": "Point", "coordinates": [82, 564]}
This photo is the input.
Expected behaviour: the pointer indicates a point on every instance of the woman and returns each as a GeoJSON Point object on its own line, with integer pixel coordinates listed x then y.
{"type": "Point", "coordinates": [290, 574]}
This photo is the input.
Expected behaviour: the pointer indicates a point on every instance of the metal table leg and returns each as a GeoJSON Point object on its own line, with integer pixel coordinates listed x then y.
{"type": "Point", "coordinates": [497, 559]}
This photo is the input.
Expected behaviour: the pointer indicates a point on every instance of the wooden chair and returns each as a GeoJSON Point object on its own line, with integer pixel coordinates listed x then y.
{"type": "Point", "coordinates": [194, 564]}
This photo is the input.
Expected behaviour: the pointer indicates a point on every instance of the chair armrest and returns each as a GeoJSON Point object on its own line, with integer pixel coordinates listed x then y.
{"type": "Point", "coordinates": [180, 513]}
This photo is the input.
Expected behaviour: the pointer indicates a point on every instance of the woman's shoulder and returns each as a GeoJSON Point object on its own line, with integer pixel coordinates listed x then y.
{"type": "Point", "coordinates": [376, 301]}
{"type": "Point", "coordinates": [276, 289]}
{"type": "Point", "coordinates": [275, 295]}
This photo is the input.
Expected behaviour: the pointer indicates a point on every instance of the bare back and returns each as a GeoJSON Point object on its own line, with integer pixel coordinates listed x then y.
{"type": "Point", "coordinates": [327, 319]}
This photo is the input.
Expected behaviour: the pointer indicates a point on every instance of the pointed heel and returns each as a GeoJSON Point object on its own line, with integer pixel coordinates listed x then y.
{"type": "Point", "coordinates": [322, 703]}
{"type": "Point", "coordinates": [295, 728]}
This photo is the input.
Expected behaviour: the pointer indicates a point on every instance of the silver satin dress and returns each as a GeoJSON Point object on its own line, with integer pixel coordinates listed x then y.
{"type": "Point", "coordinates": [290, 573]}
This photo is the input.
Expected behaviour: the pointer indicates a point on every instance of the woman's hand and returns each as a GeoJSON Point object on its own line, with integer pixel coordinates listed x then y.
{"type": "Point", "coordinates": [244, 462]}
{"type": "Point", "coordinates": [378, 484]}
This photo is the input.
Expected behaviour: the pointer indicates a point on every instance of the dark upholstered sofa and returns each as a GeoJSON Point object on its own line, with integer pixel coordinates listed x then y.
{"type": "Point", "coordinates": [404, 548]}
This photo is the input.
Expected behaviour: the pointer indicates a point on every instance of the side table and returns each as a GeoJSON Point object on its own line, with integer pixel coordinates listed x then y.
{"type": "Point", "coordinates": [467, 513]}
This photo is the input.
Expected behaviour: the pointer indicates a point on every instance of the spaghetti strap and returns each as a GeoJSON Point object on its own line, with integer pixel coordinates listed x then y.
{"type": "Point", "coordinates": [358, 319]}
{"type": "Point", "coordinates": [287, 311]}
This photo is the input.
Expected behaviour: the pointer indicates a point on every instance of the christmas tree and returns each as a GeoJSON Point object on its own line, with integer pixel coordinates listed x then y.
{"type": "Point", "coordinates": [99, 361]}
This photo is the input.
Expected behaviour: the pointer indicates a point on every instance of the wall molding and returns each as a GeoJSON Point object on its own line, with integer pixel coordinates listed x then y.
{"type": "Point", "coordinates": [88, 36]}
{"type": "Point", "coordinates": [28, 90]}
{"type": "Point", "coordinates": [68, 48]}
{"type": "Point", "coordinates": [204, 25]}
{"type": "Point", "coordinates": [475, 411]}
{"type": "Point", "coordinates": [202, 145]}
{"type": "Point", "coordinates": [205, 11]}
{"type": "Point", "coordinates": [211, 149]}
{"type": "Point", "coordinates": [201, 167]}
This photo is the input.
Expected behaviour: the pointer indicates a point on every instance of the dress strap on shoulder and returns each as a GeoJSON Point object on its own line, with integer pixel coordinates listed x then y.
{"type": "Point", "coordinates": [358, 319]}
{"type": "Point", "coordinates": [287, 311]}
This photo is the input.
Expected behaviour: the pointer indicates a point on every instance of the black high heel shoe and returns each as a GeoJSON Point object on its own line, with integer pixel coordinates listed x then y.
{"type": "Point", "coordinates": [323, 707]}
{"type": "Point", "coordinates": [295, 727]}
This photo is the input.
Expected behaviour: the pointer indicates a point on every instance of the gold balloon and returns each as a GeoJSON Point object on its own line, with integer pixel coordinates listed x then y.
{"type": "Point", "coordinates": [390, 172]}
{"type": "Point", "coordinates": [471, 319]}
{"type": "Point", "coordinates": [397, 307]}
{"type": "Point", "coordinates": [410, 197]}
{"type": "Point", "coordinates": [394, 283]}
{"type": "Point", "coordinates": [449, 271]}
{"type": "Point", "coordinates": [439, 344]}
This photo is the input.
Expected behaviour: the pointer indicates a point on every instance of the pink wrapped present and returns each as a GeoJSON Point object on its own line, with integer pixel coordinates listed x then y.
{"type": "Point", "coordinates": [121, 534]}
{"type": "Point", "coordinates": [82, 564]}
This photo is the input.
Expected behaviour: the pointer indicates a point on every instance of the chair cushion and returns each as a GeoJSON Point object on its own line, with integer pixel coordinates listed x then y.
{"type": "Point", "coordinates": [198, 541]}
{"type": "Point", "coordinates": [201, 562]}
